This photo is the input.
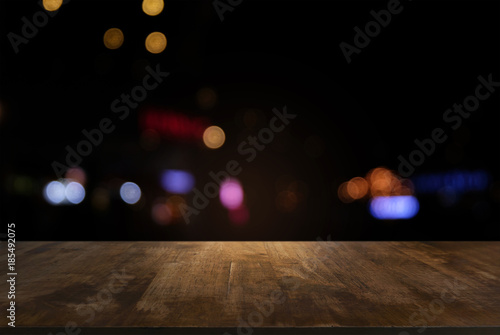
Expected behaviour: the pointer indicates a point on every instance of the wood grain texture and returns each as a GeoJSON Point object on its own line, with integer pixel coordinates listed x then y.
{"type": "Point", "coordinates": [226, 285]}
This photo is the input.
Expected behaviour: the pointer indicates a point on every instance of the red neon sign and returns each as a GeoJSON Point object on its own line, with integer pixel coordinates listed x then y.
{"type": "Point", "coordinates": [173, 125]}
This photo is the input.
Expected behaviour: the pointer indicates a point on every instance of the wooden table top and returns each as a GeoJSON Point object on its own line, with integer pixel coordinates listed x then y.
{"type": "Point", "coordinates": [245, 286]}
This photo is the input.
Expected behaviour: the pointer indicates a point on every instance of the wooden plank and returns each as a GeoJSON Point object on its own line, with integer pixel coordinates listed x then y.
{"type": "Point", "coordinates": [245, 286]}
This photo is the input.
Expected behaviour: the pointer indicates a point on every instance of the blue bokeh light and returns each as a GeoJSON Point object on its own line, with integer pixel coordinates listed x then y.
{"type": "Point", "coordinates": [177, 181]}
{"type": "Point", "coordinates": [455, 181]}
{"type": "Point", "coordinates": [394, 207]}
{"type": "Point", "coordinates": [130, 193]}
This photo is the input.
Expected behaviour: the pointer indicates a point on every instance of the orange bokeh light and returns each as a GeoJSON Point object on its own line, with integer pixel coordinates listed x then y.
{"type": "Point", "coordinates": [174, 204]}
{"type": "Point", "coordinates": [405, 187]}
{"type": "Point", "coordinates": [287, 201]}
{"type": "Point", "coordinates": [343, 194]}
{"type": "Point", "coordinates": [382, 182]}
{"type": "Point", "coordinates": [378, 182]}
{"type": "Point", "coordinates": [357, 188]}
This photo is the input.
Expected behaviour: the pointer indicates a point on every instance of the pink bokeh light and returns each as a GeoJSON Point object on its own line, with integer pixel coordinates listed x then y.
{"type": "Point", "coordinates": [231, 194]}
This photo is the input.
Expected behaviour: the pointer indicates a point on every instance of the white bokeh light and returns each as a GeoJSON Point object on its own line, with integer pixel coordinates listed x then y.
{"type": "Point", "coordinates": [54, 192]}
{"type": "Point", "coordinates": [130, 193]}
{"type": "Point", "coordinates": [75, 193]}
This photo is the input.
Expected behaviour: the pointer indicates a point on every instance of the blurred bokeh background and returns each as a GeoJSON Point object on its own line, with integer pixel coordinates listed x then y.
{"type": "Point", "coordinates": [331, 173]}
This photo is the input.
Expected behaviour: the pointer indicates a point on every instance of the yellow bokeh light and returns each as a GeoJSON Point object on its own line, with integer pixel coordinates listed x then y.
{"type": "Point", "coordinates": [52, 5]}
{"type": "Point", "coordinates": [152, 7]}
{"type": "Point", "coordinates": [214, 137]}
{"type": "Point", "coordinates": [156, 42]}
{"type": "Point", "coordinates": [113, 38]}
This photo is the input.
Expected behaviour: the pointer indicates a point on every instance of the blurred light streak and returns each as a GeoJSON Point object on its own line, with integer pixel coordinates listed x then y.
{"type": "Point", "coordinates": [173, 125]}
{"type": "Point", "coordinates": [457, 181]}
{"type": "Point", "coordinates": [394, 207]}
{"type": "Point", "coordinates": [447, 196]}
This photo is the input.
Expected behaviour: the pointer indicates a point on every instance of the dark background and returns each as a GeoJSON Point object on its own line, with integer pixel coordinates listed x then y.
{"type": "Point", "coordinates": [264, 55]}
